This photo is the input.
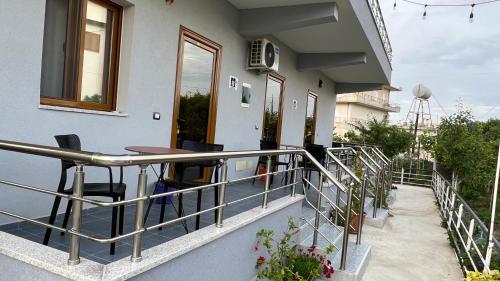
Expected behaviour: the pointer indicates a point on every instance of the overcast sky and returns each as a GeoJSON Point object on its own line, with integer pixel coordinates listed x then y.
{"type": "Point", "coordinates": [454, 58]}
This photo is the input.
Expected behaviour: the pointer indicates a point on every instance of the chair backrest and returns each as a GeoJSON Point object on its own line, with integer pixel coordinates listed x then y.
{"type": "Point", "coordinates": [268, 145]}
{"type": "Point", "coordinates": [72, 142]}
{"type": "Point", "coordinates": [317, 151]}
{"type": "Point", "coordinates": [195, 169]}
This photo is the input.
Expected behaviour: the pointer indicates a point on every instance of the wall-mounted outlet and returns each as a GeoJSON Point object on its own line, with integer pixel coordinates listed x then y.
{"type": "Point", "coordinates": [156, 116]}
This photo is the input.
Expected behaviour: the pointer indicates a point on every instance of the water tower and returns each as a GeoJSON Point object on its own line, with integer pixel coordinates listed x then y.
{"type": "Point", "coordinates": [419, 114]}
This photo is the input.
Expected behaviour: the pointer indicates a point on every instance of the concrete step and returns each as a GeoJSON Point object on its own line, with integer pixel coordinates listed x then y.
{"type": "Point", "coordinates": [380, 219]}
{"type": "Point", "coordinates": [332, 232]}
{"type": "Point", "coordinates": [306, 230]}
{"type": "Point", "coordinates": [358, 257]}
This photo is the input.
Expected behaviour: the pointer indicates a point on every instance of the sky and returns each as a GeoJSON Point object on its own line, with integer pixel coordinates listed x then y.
{"type": "Point", "coordinates": [456, 59]}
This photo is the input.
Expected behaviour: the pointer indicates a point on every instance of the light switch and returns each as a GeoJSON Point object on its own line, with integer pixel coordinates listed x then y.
{"type": "Point", "coordinates": [156, 116]}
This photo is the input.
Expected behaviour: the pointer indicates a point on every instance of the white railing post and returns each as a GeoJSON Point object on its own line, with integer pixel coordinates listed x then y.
{"type": "Point", "coordinates": [489, 250]}
{"type": "Point", "coordinates": [450, 210]}
{"type": "Point", "coordinates": [402, 174]}
{"type": "Point", "coordinates": [470, 235]}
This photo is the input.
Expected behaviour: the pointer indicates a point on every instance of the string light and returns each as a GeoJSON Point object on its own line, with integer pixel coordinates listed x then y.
{"type": "Point", "coordinates": [425, 5]}
{"type": "Point", "coordinates": [471, 16]}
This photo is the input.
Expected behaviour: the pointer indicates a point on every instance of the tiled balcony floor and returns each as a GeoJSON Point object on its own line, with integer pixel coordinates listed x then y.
{"type": "Point", "coordinates": [97, 222]}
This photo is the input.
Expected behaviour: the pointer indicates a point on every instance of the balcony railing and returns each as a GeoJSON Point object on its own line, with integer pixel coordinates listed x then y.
{"type": "Point", "coordinates": [82, 159]}
{"type": "Point", "coordinates": [382, 31]}
{"type": "Point", "coordinates": [370, 100]}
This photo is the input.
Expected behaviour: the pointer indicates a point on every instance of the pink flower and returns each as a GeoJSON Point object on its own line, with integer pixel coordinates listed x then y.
{"type": "Point", "coordinates": [257, 246]}
{"type": "Point", "coordinates": [311, 249]}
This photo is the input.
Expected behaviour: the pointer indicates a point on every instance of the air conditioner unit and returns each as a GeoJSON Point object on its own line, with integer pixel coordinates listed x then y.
{"type": "Point", "coordinates": [263, 56]}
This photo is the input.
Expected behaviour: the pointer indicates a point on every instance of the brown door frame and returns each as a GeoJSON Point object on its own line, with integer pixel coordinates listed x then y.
{"type": "Point", "coordinates": [280, 79]}
{"type": "Point", "coordinates": [315, 114]}
{"type": "Point", "coordinates": [201, 41]}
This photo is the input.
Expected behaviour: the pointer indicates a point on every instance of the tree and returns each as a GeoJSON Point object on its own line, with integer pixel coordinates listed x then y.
{"type": "Point", "coordinates": [390, 138]}
{"type": "Point", "coordinates": [467, 149]}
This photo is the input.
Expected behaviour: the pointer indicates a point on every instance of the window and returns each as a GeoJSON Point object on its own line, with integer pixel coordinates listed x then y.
{"type": "Point", "coordinates": [271, 129]}
{"type": "Point", "coordinates": [80, 54]}
{"type": "Point", "coordinates": [310, 126]}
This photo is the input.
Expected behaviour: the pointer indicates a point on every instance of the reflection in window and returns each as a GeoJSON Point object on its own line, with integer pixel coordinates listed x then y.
{"type": "Point", "coordinates": [96, 55]}
{"type": "Point", "coordinates": [196, 84]}
{"type": "Point", "coordinates": [272, 110]}
{"type": "Point", "coordinates": [310, 127]}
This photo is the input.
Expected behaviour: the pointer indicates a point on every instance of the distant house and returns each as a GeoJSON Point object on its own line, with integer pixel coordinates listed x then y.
{"type": "Point", "coordinates": [361, 107]}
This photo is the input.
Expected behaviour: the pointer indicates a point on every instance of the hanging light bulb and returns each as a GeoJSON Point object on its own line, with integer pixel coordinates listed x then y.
{"type": "Point", "coordinates": [394, 7]}
{"type": "Point", "coordinates": [471, 16]}
{"type": "Point", "coordinates": [425, 12]}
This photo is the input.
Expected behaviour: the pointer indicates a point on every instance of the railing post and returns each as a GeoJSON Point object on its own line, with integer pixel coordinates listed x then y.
{"type": "Point", "coordinates": [383, 185]}
{"type": "Point", "coordinates": [470, 235]}
{"type": "Point", "coordinates": [362, 209]}
{"type": "Point", "coordinates": [343, 258]}
{"type": "Point", "coordinates": [74, 249]}
{"type": "Point", "coordinates": [377, 184]}
{"type": "Point", "coordinates": [222, 194]}
{"type": "Point", "coordinates": [494, 195]}
{"type": "Point", "coordinates": [294, 174]}
{"type": "Point", "coordinates": [402, 174]}
{"type": "Point", "coordinates": [318, 209]}
{"type": "Point", "coordinates": [460, 213]}
{"type": "Point", "coordinates": [139, 215]}
{"type": "Point", "coordinates": [268, 182]}
{"type": "Point", "coordinates": [450, 210]}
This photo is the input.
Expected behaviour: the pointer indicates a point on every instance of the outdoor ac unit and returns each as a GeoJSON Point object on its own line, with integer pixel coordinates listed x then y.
{"type": "Point", "coordinates": [264, 56]}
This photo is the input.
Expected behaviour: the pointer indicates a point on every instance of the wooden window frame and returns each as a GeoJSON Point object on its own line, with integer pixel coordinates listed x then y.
{"type": "Point", "coordinates": [315, 114]}
{"type": "Point", "coordinates": [188, 35]}
{"type": "Point", "coordinates": [74, 64]}
{"type": "Point", "coordinates": [280, 79]}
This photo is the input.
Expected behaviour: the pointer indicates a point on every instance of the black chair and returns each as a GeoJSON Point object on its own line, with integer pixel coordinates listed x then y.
{"type": "Point", "coordinates": [270, 145]}
{"type": "Point", "coordinates": [192, 174]}
{"type": "Point", "coordinates": [319, 153]}
{"type": "Point", "coordinates": [116, 191]}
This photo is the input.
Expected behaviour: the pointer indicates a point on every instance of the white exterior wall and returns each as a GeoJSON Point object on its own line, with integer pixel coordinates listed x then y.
{"type": "Point", "coordinates": [146, 85]}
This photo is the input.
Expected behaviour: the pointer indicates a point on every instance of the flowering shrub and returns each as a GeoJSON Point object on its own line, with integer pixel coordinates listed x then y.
{"type": "Point", "coordinates": [480, 276]}
{"type": "Point", "coordinates": [288, 262]}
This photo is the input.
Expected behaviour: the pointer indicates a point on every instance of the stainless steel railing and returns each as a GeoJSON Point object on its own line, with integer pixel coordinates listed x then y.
{"type": "Point", "coordinates": [466, 229]}
{"type": "Point", "coordinates": [142, 161]}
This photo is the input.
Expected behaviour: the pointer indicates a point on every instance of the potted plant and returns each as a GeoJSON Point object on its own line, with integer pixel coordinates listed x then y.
{"type": "Point", "coordinates": [286, 261]}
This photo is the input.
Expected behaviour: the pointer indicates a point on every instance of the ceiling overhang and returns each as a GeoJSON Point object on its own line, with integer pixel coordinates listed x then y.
{"type": "Point", "coordinates": [339, 39]}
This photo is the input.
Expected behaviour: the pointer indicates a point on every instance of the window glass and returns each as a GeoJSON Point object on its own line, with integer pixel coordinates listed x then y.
{"type": "Point", "coordinates": [310, 127]}
{"type": "Point", "coordinates": [96, 53]}
{"type": "Point", "coordinates": [54, 41]}
{"type": "Point", "coordinates": [196, 85]}
{"type": "Point", "coordinates": [272, 110]}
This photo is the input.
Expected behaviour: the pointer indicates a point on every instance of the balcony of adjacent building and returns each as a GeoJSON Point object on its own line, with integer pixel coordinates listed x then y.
{"type": "Point", "coordinates": [368, 100]}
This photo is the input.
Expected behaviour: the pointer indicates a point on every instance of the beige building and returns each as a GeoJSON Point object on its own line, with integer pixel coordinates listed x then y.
{"type": "Point", "coordinates": [361, 107]}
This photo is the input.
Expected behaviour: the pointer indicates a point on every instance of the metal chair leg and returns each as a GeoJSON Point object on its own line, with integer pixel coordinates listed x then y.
{"type": "Point", "coordinates": [66, 215]}
{"type": "Point", "coordinates": [121, 216]}
{"type": "Point", "coordinates": [113, 227]}
{"type": "Point", "coordinates": [198, 208]}
{"type": "Point", "coordinates": [52, 218]}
